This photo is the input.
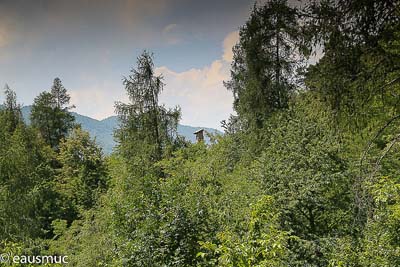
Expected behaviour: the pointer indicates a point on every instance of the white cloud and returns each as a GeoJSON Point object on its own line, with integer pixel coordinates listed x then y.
{"type": "Point", "coordinates": [229, 41]}
{"type": "Point", "coordinates": [97, 101]}
{"type": "Point", "coordinates": [200, 92]}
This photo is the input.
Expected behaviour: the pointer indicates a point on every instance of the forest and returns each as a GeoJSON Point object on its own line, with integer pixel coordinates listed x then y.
{"type": "Point", "coordinates": [307, 172]}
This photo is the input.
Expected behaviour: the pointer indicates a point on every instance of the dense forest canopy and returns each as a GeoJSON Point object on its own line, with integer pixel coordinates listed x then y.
{"type": "Point", "coordinates": [307, 172]}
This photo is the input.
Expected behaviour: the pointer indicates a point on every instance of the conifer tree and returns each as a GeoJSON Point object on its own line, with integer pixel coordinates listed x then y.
{"type": "Point", "coordinates": [11, 108]}
{"type": "Point", "coordinates": [60, 93]}
{"type": "Point", "coordinates": [147, 128]}
{"type": "Point", "coordinates": [50, 114]}
{"type": "Point", "coordinates": [265, 62]}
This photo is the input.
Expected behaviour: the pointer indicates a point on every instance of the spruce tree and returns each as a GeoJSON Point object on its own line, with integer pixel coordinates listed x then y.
{"type": "Point", "coordinates": [265, 62]}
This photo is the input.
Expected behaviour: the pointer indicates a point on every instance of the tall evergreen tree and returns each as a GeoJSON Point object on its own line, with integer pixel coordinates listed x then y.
{"type": "Point", "coordinates": [265, 62]}
{"type": "Point", "coordinates": [60, 93]}
{"type": "Point", "coordinates": [147, 129]}
{"type": "Point", "coordinates": [50, 114]}
{"type": "Point", "coordinates": [11, 108]}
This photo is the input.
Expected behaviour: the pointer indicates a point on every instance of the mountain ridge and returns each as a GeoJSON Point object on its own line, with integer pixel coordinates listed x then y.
{"type": "Point", "coordinates": [103, 130]}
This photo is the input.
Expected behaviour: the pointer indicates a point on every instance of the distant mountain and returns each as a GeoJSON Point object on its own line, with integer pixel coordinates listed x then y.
{"type": "Point", "coordinates": [103, 130]}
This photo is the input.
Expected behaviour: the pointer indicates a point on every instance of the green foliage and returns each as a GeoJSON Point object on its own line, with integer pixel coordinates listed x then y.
{"type": "Point", "coordinates": [303, 168]}
{"type": "Point", "coordinates": [381, 242]}
{"type": "Point", "coordinates": [24, 182]}
{"type": "Point", "coordinates": [262, 243]}
{"type": "Point", "coordinates": [83, 175]}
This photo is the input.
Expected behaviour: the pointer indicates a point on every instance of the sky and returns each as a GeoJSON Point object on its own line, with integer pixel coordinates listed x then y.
{"type": "Point", "coordinates": [91, 44]}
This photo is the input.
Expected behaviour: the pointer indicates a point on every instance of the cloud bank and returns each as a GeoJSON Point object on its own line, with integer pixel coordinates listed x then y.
{"type": "Point", "coordinates": [200, 92]}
